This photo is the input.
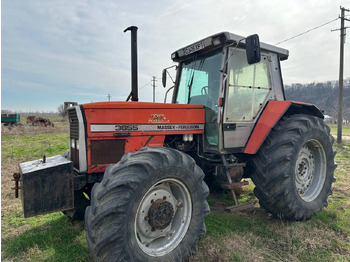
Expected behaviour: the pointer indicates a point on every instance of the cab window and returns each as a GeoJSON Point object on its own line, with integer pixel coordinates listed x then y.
{"type": "Point", "coordinates": [248, 87]}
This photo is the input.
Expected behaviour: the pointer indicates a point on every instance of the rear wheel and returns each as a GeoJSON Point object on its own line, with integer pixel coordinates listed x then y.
{"type": "Point", "coordinates": [293, 169]}
{"type": "Point", "coordinates": [149, 207]}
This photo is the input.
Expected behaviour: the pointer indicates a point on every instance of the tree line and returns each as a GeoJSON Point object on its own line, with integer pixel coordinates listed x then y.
{"type": "Point", "coordinates": [325, 95]}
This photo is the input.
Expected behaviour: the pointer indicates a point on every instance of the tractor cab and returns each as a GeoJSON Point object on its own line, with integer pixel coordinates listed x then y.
{"type": "Point", "coordinates": [233, 78]}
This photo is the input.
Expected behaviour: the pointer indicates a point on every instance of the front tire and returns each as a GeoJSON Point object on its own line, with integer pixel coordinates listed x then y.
{"type": "Point", "coordinates": [293, 169]}
{"type": "Point", "coordinates": [149, 207]}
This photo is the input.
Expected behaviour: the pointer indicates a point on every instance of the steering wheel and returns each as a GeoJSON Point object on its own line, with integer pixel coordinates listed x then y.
{"type": "Point", "coordinates": [205, 90]}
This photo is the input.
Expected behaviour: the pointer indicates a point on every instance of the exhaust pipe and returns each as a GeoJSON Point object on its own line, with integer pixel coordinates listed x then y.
{"type": "Point", "coordinates": [134, 87]}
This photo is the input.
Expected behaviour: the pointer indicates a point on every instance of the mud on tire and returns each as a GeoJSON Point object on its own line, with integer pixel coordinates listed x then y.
{"type": "Point", "coordinates": [293, 169]}
{"type": "Point", "coordinates": [149, 207]}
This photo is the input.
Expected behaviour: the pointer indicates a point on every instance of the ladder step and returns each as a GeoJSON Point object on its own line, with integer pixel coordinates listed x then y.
{"type": "Point", "coordinates": [232, 165]}
{"type": "Point", "coordinates": [234, 185]}
{"type": "Point", "coordinates": [240, 207]}
{"type": "Point", "coordinates": [236, 165]}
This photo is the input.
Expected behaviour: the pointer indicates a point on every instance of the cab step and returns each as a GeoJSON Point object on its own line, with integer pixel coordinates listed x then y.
{"type": "Point", "coordinates": [232, 186]}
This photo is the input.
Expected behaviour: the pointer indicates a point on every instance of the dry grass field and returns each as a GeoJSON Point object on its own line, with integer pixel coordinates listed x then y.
{"type": "Point", "coordinates": [249, 235]}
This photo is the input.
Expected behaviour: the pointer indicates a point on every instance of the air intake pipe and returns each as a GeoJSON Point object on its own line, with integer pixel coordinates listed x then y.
{"type": "Point", "coordinates": [134, 87]}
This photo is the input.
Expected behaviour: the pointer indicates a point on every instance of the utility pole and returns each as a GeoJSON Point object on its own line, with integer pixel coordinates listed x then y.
{"type": "Point", "coordinates": [154, 88]}
{"type": "Point", "coordinates": [109, 97]}
{"type": "Point", "coordinates": [341, 72]}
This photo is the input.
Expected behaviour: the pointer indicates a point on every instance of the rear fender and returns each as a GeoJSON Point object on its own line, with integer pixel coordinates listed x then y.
{"type": "Point", "coordinates": [272, 113]}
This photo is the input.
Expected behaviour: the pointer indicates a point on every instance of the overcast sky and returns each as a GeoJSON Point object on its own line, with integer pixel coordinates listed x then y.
{"type": "Point", "coordinates": [67, 50]}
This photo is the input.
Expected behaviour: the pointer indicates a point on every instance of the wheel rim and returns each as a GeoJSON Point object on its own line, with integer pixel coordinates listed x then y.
{"type": "Point", "coordinates": [163, 217]}
{"type": "Point", "coordinates": [310, 170]}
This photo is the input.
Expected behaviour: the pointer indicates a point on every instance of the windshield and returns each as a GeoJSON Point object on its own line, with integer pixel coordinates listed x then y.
{"type": "Point", "coordinates": [200, 80]}
{"type": "Point", "coordinates": [199, 84]}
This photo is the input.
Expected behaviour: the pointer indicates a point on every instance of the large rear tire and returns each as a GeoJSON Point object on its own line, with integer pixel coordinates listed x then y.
{"type": "Point", "coordinates": [293, 169]}
{"type": "Point", "coordinates": [149, 207]}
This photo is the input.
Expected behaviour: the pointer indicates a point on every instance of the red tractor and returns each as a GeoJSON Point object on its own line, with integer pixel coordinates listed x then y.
{"type": "Point", "coordinates": [142, 165]}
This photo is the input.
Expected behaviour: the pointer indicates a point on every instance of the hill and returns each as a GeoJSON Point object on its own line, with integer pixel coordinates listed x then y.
{"type": "Point", "coordinates": [324, 95]}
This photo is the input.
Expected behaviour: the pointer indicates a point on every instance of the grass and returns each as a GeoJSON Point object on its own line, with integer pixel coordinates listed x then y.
{"type": "Point", "coordinates": [43, 238]}
{"type": "Point", "coordinates": [249, 235]}
{"type": "Point", "coordinates": [345, 130]}
{"type": "Point", "coordinates": [33, 146]}
{"type": "Point", "coordinates": [51, 237]}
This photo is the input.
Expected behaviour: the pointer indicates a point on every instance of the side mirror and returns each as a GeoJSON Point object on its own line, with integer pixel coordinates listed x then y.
{"type": "Point", "coordinates": [164, 77]}
{"type": "Point", "coordinates": [253, 49]}
{"type": "Point", "coordinates": [165, 73]}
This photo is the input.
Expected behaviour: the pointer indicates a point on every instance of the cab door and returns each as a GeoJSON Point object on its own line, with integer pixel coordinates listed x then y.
{"type": "Point", "coordinates": [248, 88]}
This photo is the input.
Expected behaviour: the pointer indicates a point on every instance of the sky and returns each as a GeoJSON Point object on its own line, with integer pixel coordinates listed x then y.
{"type": "Point", "coordinates": [75, 50]}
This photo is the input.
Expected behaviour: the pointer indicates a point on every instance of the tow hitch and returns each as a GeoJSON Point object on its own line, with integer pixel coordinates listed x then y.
{"type": "Point", "coordinates": [16, 177]}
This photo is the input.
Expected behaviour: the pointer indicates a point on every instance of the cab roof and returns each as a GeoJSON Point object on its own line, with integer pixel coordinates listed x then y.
{"type": "Point", "coordinates": [223, 38]}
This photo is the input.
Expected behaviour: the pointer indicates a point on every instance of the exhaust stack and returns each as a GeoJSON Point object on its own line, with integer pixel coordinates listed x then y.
{"type": "Point", "coordinates": [134, 87]}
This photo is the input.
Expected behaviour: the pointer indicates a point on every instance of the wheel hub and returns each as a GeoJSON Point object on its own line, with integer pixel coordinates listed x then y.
{"type": "Point", "coordinates": [163, 217]}
{"type": "Point", "coordinates": [304, 170]}
{"type": "Point", "coordinates": [160, 214]}
{"type": "Point", "coordinates": [310, 170]}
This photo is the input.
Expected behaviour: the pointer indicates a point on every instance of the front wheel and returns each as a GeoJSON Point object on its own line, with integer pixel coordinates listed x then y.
{"type": "Point", "coordinates": [293, 170]}
{"type": "Point", "coordinates": [149, 207]}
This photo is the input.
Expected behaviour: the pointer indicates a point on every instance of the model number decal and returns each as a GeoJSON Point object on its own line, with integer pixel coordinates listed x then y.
{"type": "Point", "coordinates": [144, 128]}
{"type": "Point", "coordinates": [126, 128]}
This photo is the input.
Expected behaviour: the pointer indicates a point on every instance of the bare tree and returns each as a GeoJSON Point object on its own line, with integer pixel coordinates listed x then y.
{"type": "Point", "coordinates": [61, 110]}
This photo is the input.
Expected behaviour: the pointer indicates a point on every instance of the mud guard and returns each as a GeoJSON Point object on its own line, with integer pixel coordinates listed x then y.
{"type": "Point", "coordinates": [272, 113]}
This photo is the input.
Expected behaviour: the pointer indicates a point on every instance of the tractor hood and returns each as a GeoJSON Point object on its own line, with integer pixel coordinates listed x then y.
{"type": "Point", "coordinates": [139, 118]}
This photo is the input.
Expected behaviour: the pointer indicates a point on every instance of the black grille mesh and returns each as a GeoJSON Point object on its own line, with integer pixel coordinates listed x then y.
{"type": "Point", "coordinates": [73, 123]}
{"type": "Point", "coordinates": [74, 136]}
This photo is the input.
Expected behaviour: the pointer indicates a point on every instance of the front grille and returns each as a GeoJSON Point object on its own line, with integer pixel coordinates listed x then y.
{"type": "Point", "coordinates": [107, 151]}
{"type": "Point", "coordinates": [74, 136]}
{"type": "Point", "coordinates": [73, 123]}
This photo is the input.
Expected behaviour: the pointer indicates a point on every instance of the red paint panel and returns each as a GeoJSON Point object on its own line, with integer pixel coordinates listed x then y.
{"type": "Point", "coordinates": [97, 169]}
{"type": "Point", "coordinates": [137, 105]}
{"type": "Point", "coordinates": [272, 113]}
{"type": "Point", "coordinates": [132, 144]}
{"type": "Point", "coordinates": [145, 114]}
{"type": "Point", "coordinates": [117, 115]}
